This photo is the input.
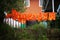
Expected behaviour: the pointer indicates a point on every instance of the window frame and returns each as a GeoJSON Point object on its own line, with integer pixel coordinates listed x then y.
{"type": "Point", "coordinates": [40, 5]}
{"type": "Point", "coordinates": [28, 3]}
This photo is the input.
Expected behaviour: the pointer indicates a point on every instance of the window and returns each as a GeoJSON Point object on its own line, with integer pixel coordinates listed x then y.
{"type": "Point", "coordinates": [27, 3]}
{"type": "Point", "coordinates": [40, 3]}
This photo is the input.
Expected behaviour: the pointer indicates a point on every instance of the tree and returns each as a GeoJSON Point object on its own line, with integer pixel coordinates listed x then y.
{"type": "Point", "coordinates": [7, 5]}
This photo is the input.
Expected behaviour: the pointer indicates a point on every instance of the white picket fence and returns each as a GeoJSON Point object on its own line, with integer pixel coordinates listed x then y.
{"type": "Point", "coordinates": [12, 23]}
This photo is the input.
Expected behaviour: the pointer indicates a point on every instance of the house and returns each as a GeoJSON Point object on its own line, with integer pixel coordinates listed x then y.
{"type": "Point", "coordinates": [33, 6]}
{"type": "Point", "coordinates": [36, 6]}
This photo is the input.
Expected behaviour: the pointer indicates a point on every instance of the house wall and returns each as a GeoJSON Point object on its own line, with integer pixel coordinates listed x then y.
{"type": "Point", "coordinates": [34, 7]}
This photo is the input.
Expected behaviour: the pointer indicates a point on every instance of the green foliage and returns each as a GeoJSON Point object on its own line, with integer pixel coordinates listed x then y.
{"type": "Point", "coordinates": [38, 26]}
{"type": "Point", "coordinates": [22, 34]}
{"type": "Point", "coordinates": [19, 5]}
{"type": "Point", "coordinates": [6, 32]}
{"type": "Point", "coordinates": [15, 4]}
{"type": "Point", "coordinates": [31, 33]}
{"type": "Point", "coordinates": [57, 21]}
